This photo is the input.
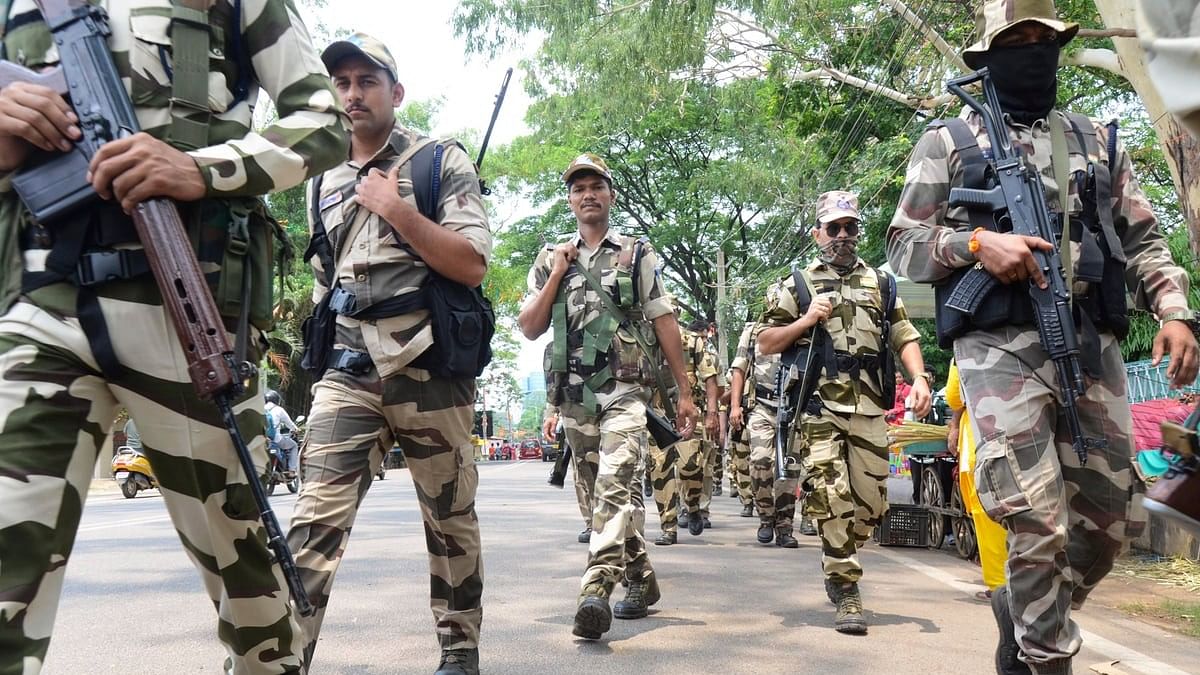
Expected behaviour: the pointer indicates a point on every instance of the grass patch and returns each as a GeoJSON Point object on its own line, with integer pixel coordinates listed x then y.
{"type": "Point", "coordinates": [1182, 616]}
{"type": "Point", "coordinates": [1178, 572]}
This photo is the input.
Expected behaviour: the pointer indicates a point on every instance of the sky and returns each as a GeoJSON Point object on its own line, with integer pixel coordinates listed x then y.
{"type": "Point", "coordinates": [432, 62]}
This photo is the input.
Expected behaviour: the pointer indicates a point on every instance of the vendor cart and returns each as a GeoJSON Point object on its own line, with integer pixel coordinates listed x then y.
{"type": "Point", "coordinates": [936, 489]}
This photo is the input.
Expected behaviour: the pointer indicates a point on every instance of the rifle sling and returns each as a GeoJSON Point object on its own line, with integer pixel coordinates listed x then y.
{"type": "Point", "coordinates": [623, 322]}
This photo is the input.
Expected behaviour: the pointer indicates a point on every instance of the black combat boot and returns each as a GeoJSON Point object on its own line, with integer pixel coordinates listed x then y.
{"type": "Point", "coordinates": [766, 531]}
{"type": "Point", "coordinates": [717, 490]}
{"type": "Point", "coordinates": [833, 590]}
{"type": "Point", "coordinates": [707, 523]}
{"type": "Point", "coordinates": [784, 539]}
{"type": "Point", "coordinates": [459, 662]}
{"type": "Point", "coordinates": [1008, 652]}
{"type": "Point", "coordinates": [748, 511]}
{"type": "Point", "coordinates": [666, 539]}
{"type": "Point", "coordinates": [593, 617]}
{"type": "Point", "coordinates": [695, 524]}
{"type": "Point", "coordinates": [585, 536]}
{"type": "Point", "coordinates": [849, 611]}
{"type": "Point", "coordinates": [807, 527]}
{"type": "Point", "coordinates": [641, 595]}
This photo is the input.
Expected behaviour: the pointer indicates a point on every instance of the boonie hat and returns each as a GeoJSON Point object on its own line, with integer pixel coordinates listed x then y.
{"type": "Point", "coordinates": [996, 16]}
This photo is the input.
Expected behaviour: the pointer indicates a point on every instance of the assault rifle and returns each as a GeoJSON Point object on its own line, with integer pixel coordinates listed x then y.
{"type": "Point", "coordinates": [792, 393]}
{"type": "Point", "coordinates": [52, 185]}
{"type": "Point", "coordinates": [1019, 198]}
{"type": "Point", "coordinates": [558, 475]}
{"type": "Point", "coordinates": [483, 188]}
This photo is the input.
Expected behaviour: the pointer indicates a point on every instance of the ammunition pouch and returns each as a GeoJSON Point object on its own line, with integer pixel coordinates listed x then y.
{"type": "Point", "coordinates": [1101, 260]}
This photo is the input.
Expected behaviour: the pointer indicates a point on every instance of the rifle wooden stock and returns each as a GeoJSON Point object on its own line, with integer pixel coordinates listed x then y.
{"type": "Point", "coordinates": [187, 298]}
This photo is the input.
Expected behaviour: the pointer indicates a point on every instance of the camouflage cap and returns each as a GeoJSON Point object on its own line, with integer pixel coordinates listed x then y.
{"type": "Point", "coordinates": [996, 16]}
{"type": "Point", "coordinates": [835, 205]}
{"type": "Point", "coordinates": [587, 162]}
{"type": "Point", "coordinates": [361, 44]}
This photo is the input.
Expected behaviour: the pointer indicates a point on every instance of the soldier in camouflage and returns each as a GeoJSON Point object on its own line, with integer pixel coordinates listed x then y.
{"type": "Point", "coordinates": [1067, 520]}
{"type": "Point", "coordinates": [603, 381]}
{"type": "Point", "coordinates": [738, 443]}
{"type": "Point", "coordinates": [662, 473]}
{"type": "Point", "coordinates": [375, 393]}
{"type": "Point", "coordinates": [842, 427]}
{"type": "Point", "coordinates": [754, 382]}
{"type": "Point", "coordinates": [61, 383]}
{"type": "Point", "coordinates": [695, 452]}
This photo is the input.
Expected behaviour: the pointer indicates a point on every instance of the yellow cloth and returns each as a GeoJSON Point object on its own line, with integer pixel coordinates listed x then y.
{"type": "Point", "coordinates": [992, 537]}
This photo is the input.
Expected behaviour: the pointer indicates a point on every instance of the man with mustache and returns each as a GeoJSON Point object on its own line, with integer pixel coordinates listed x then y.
{"type": "Point", "coordinates": [378, 390]}
{"type": "Point", "coordinates": [842, 424]}
{"type": "Point", "coordinates": [603, 379]}
{"type": "Point", "coordinates": [1066, 519]}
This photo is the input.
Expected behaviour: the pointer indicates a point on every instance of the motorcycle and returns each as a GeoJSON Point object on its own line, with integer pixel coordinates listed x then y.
{"type": "Point", "coordinates": [277, 472]}
{"type": "Point", "coordinates": [132, 471]}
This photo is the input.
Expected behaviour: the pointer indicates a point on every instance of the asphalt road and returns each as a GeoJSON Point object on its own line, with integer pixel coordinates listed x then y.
{"type": "Point", "coordinates": [133, 604]}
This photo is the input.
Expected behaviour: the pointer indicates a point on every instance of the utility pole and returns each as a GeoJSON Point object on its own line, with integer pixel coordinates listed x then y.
{"type": "Point", "coordinates": [722, 333]}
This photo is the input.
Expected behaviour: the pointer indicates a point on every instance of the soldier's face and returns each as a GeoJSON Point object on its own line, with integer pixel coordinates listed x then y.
{"type": "Point", "coordinates": [590, 198]}
{"type": "Point", "coordinates": [368, 95]}
{"type": "Point", "coordinates": [842, 228]}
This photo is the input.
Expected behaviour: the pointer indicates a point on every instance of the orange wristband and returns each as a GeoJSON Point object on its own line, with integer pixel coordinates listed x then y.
{"type": "Point", "coordinates": [973, 244]}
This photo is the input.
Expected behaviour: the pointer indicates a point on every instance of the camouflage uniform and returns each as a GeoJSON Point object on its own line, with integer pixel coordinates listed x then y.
{"type": "Point", "coordinates": [775, 499]}
{"type": "Point", "coordinates": [664, 479]}
{"type": "Point", "coordinates": [1066, 522]}
{"type": "Point", "coordinates": [357, 417]}
{"type": "Point", "coordinates": [695, 453]}
{"type": "Point", "coordinates": [615, 425]}
{"type": "Point", "coordinates": [846, 439]}
{"type": "Point", "coordinates": [56, 404]}
{"type": "Point", "coordinates": [739, 457]}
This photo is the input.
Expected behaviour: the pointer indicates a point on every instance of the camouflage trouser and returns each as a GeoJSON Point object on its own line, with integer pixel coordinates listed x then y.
{"type": "Point", "coordinates": [775, 499]}
{"type": "Point", "coordinates": [690, 469]}
{"type": "Point", "coordinates": [56, 409]}
{"type": "Point", "coordinates": [665, 484]}
{"type": "Point", "coordinates": [739, 465]}
{"type": "Point", "coordinates": [708, 456]}
{"type": "Point", "coordinates": [585, 460]}
{"type": "Point", "coordinates": [1066, 523]}
{"type": "Point", "coordinates": [618, 523]}
{"type": "Point", "coordinates": [355, 421]}
{"type": "Point", "coordinates": [848, 469]}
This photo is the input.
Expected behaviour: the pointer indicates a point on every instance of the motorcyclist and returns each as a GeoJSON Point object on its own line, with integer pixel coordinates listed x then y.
{"type": "Point", "coordinates": [285, 430]}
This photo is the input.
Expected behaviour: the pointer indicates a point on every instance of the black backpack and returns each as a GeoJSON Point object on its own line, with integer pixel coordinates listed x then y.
{"type": "Point", "coordinates": [461, 318]}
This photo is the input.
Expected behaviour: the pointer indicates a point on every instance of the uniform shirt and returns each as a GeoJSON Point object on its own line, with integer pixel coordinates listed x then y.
{"type": "Point", "coordinates": [699, 363]}
{"type": "Point", "coordinates": [927, 240]}
{"type": "Point", "coordinates": [855, 325]}
{"type": "Point", "coordinates": [310, 134]}
{"type": "Point", "coordinates": [763, 370]}
{"type": "Point", "coordinates": [583, 305]}
{"type": "Point", "coordinates": [378, 264]}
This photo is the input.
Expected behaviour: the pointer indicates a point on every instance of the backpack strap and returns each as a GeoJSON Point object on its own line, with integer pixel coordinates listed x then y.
{"type": "Point", "coordinates": [819, 332]}
{"type": "Point", "coordinates": [191, 34]}
{"type": "Point", "coordinates": [974, 164]}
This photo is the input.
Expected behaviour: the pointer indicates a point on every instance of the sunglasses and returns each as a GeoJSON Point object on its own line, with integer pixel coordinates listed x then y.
{"type": "Point", "coordinates": [850, 228]}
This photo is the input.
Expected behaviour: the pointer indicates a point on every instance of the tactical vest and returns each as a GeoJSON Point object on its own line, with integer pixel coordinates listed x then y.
{"type": "Point", "coordinates": [84, 246]}
{"type": "Point", "coordinates": [609, 352]}
{"type": "Point", "coordinates": [824, 359]}
{"type": "Point", "coordinates": [1101, 260]}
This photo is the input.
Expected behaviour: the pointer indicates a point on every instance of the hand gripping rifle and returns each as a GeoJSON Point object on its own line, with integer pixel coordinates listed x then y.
{"type": "Point", "coordinates": [1020, 198]}
{"type": "Point", "coordinates": [483, 188]}
{"type": "Point", "coordinates": [87, 74]}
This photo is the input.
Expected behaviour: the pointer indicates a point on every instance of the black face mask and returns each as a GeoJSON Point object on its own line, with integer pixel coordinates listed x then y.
{"type": "Point", "coordinates": [1026, 79]}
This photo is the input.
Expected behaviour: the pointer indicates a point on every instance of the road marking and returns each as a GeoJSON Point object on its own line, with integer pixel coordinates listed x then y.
{"type": "Point", "coordinates": [123, 523]}
{"type": "Point", "coordinates": [1112, 650]}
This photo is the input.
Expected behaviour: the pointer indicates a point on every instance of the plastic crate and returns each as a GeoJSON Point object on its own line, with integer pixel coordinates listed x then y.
{"type": "Point", "coordinates": [904, 525]}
